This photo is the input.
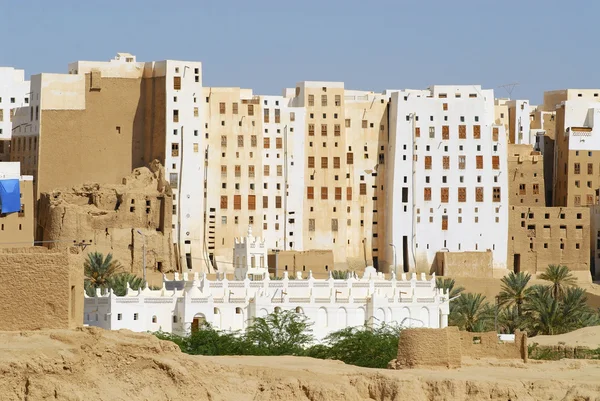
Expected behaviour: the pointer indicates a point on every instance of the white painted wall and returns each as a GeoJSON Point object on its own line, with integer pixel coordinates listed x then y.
{"type": "Point", "coordinates": [421, 221]}
{"type": "Point", "coordinates": [14, 93]}
{"type": "Point", "coordinates": [230, 305]}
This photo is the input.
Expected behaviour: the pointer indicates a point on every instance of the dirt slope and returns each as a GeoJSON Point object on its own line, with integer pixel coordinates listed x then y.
{"type": "Point", "coordinates": [587, 337]}
{"type": "Point", "coordinates": [93, 364]}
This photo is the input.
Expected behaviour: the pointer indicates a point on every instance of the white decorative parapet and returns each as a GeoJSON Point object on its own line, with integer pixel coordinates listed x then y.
{"type": "Point", "coordinates": [330, 304]}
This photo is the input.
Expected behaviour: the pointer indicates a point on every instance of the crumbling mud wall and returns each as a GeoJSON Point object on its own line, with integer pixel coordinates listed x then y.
{"type": "Point", "coordinates": [446, 347]}
{"type": "Point", "coordinates": [111, 217]}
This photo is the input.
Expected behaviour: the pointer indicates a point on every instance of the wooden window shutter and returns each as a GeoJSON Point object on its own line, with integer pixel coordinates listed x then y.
{"type": "Point", "coordinates": [445, 132]}
{"type": "Point", "coordinates": [446, 162]}
{"type": "Point", "coordinates": [177, 83]}
{"type": "Point", "coordinates": [479, 162]}
{"type": "Point", "coordinates": [479, 194]}
{"type": "Point", "coordinates": [311, 162]}
{"type": "Point", "coordinates": [445, 194]}
{"type": "Point", "coordinates": [224, 202]}
{"type": "Point", "coordinates": [427, 194]}
{"type": "Point", "coordinates": [336, 162]}
{"type": "Point", "coordinates": [278, 202]}
{"type": "Point", "coordinates": [251, 202]}
{"type": "Point", "coordinates": [324, 162]}
{"type": "Point", "coordinates": [237, 202]}
{"type": "Point", "coordinates": [462, 194]}
{"type": "Point", "coordinates": [265, 202]}
{"type": "Point", "coordinates": [266, 143]}
{"type": "Point", "coordinates": [363, 188]}
{"type": "Point", "coordinates": [349, 158]}
{"type": "Point", "coordinates": [476, 132]}
{"type": "Point", "coordinates": [222, 108]}
{"type": "Point", "coordinates": [496, 162]}
{"type": "Point", "coordinates": [462, 132]}
{"type": "Point", "coordinates": [495, 134]}
{"type": "Point", "coordinates": [338, 193]}
{"type": "Point", "coordinates": [348, 193]}
{"type": "Point", "coordinates": [427, 162]}
{"type": "Point", "coordinates": [323, 192]}
{"type": "Point", "coordinates": [310, 193]}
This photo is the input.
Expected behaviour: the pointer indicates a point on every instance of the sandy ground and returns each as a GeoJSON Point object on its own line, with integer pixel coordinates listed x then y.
{"type": "Point", "coordinates": [587, 337]}
{"type": "Point", "coordinates": [93, 364]}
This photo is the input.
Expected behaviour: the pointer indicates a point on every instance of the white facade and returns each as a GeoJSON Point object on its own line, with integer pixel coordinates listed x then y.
{"type": "Point", "coordinates": [250, 257]}
{"type": "Point", "coordinates": [434, 178]}
{"type": "Point", "coordinates": [330, 304]}
{"type": "Point", "coordinates": [14, 93]}
{"type": "Point", "coordinates": [285, 158]}
{"type": "Point", "coordinates": [522, 121]}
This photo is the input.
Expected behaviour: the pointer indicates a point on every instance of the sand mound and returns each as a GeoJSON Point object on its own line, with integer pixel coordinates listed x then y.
{"type": "Point", "coordinates": [92, 364]}
{"type": "Point", "coordinates": [587, 337]}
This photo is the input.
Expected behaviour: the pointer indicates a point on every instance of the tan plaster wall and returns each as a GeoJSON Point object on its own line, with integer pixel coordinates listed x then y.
{"type": "Point", "coordinates": [76, 146]}
{"type": "Point", "coordinates": [486, 345]}
{"type": "Point", "coordinates": [109, 216]}
{"type": "Point", "coordinates": [464, 264]}
{"type": "Point", "coordinates": [536, 233]}
{"type": "Point", "coordinates": [525, 167]}
{"type": "Point", "coordinates": [39, 288]}
{"type": "Point", "coordinates": [319, 262]}
{"type": "Point", "coordinates": [16, 229]}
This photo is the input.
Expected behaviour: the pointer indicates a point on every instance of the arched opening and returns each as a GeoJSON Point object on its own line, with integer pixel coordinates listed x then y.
{"type": "Point", "coordinates": [198, 321]}
{"type": "Point", "coordinates": [299, 310]}
{"type": "Point", "coordinates": [238, 311]}
{"type": "Point", "coordinates": [277, 309]}
{"type": "Point", "coordinates": [154, 319]}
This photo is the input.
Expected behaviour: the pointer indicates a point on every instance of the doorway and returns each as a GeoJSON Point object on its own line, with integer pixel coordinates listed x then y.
{"type": "Point", "coordinates": [517, 263]}
{"type": "Point", "coordinates": [198, 322]}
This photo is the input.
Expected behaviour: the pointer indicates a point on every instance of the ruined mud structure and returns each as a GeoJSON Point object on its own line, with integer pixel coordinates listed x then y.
{"type": "Point", "coordinates": [446, 347]}
{"type": "Point", "coordinates": [115, 219]}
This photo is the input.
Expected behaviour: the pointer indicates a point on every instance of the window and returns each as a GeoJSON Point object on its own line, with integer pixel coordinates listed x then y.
{"type": "Point", "coordinates": [446, 162]}
{"type": "Point", "coordinates": [266, 115]}
{"type": "Point", "coordinates": [253, 141]}
{"type": "Point", "coordinates": [522, 189]}
{"type": "Point", "coordinates": [577, 201]}
{"type": "Point", "coordinates": [338, 193]}
{"type": "Point", "coordinates": [279, 170]}
{"type": "Point", "coordinates": [310, 193]}
{"type": "Point", "coordinates": [223, 140]}
{"type": "Point", "coordinates": [175, 116]}
{"type": "Point", "coordinates": [311, 100]}
{"type": "Point", "coordinates": [311, 224]}
{"type": "Point", "coordinates": [495, 134]}
{"type": "Point", "coordinates": [444, 223]}
{"type": "Point", "coordinates": [176, 83]}
{"type": "Point", "coordinates": [462, 194]}
{"type": "Point", "coordinates": [536, 189]}
{"type": "Point", "coordinates": [476, 131]}
{"type": "Point", "coordinates": [417, 132]}
{"type": "Point", "coordinates": [496, 194]}
{"type": "Point", "coordinates": [349, 158]}
{"type": "Point", "coordinates": [336, 130]}
{"type": "Point", "coordinates": [323, 100]}
{"type": "Point", "coordinates": [334, 224]}
{"type": "Point", "coordinates": [462, 161]}
{"type": "Point", "coordinates": [265, 202]}
{"type": "Point", "coordinates": [324, 162]}
{"type": "Point", "coordinates": [590, 168]}
{"type": "Point", "coordinates": [173, 180]}
{"type": "Point", "coordinates": [577, 169]}
{"type": "Point", "coordinates": [277, 116]}
{"type": "Point", "coordinates": [237, 202]}
{"type": "Point", "coordinates": [311, 162]}
{"type": "Point", "coordinates": [311, 130]}
{"type": "Point", "coordinates": [347, 123]}
{"type": "Point", "coordinates": [251, 171]}
{"type": "Point", "coordinates": [496, 162]}
{"type": "Point", "coordinates": [363, 188]}
{"type": "Point", "coordinates": [278, 143]}
{"type": "Point", "coordinates": [590, 200]}
{"type": "Point", "coordinates": [444, 194]}
{"type": "Point", "coordinates": [432, 132]}
{"type": "Point", "coordinates": [349, 193]}
{"type": "Point", "coordinates": [235, 108]}
{"type": "Point", "coordinates": [266, 143]}
{"type": "Point", "coordinates": [251, 202]}
{"type": "Point", "coordinates": [445, 106]}
{"type": "Point", "coordinates": [445, 132]}
{"type": "Point", "coordinates": [266, 170]}
{"type": "Point", "coordinates": [323, 193]}
{"type": "Point", "coordinates": [462, 132]}
{"type": "Point", "coordinates": [479, 162]}
{"type": "Point", "coordinates": [427, 162]}
{"type": "Point", "coordinates": [336, 162]}
{"type": "Point", "coordinates": [250, 109]}
{"type": "Point", "coordinates": [223, 201]}
{"type": "Point", "coordinates": [479, 194]}
{"type": "Point", "coordinates": [240, 141]}
{"type": "Point", "coordinates": [365, 124]}
{"type": "Point", "coordinates": [222, 108]}
{"type": "Point", "coordinates": [324, 129]}
{"type": "Point", "coordinates": [238, 171]}
{"type": "Point", "coordinates": [174, 149]}
{"type": "Point", "coordinates": [427, 194]}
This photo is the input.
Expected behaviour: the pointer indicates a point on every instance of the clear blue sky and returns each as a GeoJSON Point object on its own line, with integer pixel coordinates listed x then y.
{"type": "Point", "coordinates": [267, 45]}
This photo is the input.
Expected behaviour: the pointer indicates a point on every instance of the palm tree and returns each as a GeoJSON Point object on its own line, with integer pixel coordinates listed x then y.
{"type": "Point", "coordinates": [118, 283]}
{"type": "Point", "coordinates": [509, 320]}
{"type": "Point", "coordinates": [514, 291]}
{"type": "Point", "coordinates": [471, 312]}
{"type": "Point", "coordinates": [98, 270]}
{"type": "Point", "coordinates": [448, 285]}
{"type": "Point", "coordinates": [544, 315]}
{"type": "Point", "coordinates": [561, 277]}
{"type": "Point", "coordinates": [340, 274]}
